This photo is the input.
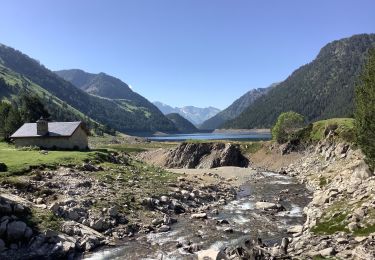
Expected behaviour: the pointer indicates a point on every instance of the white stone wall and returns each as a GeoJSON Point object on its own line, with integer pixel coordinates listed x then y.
{"type": "Point", "coordinates": [77, 140]}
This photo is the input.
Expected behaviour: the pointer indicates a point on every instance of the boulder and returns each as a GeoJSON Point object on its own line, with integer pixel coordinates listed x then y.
{"type": "Point", "coordinates": [362, 171]}
{"type": "Point", "coordinates": [211, 254]}
{"type": "Point", "coordinates": [199, 216]}
{"type": "Point", "coordinates": [5, 208]}
{"type": "Point", "coordinates": [113, 211]}
{"type": "Point", "coordinates": [2, 245]}
{"type": "Point", "coordinates": [164, 228]}
{"type": "Point", "coordinates": [16, 230]}
{"type": "Point", "coordinates": [327, 252]}
{"type": "Point", "coordinates": [3, 167]}
{"type": "Point", "coordinates": [295, 229]}
{"type": "Point", "coordinates": [266, 205]}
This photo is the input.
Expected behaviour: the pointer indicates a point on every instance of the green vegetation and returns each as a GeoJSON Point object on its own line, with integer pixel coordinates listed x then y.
{"type": "Point", "coordinates": [329, 226]}
{"type": "Point", "coordinates": [183, 125]}
{"type": "Point", "coordinates": [365, 111]}
{"type": "Point", "coordinates": [24, 108]}
{"type": "Point", "coordinates": [344, 127]}
{"type": "Point", "coordinates": [19, 161]}
{"type": "Point", "coordinates": [235, 109]}
{"type": "Point", "coordinates": [323, 182]}
{"type": "Point", "coordinates": [321, 89]}
{"type": "Point", "coordinates": [61, 97]}
{"type": "Point", "coordinates": [286, 126]}
{"type": "Point", "coordinates": [41, 219]}
{"type": "Point", "coordinates": [250, 148]}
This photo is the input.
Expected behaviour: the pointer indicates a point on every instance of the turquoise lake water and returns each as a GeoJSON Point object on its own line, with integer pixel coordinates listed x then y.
{"type": "Point", "coordinates": [213, 136]}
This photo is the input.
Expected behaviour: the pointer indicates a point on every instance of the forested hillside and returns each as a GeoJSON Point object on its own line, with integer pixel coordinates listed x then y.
{"type": "Point", "coordinates": [235, 109]}
{"type": "Point", "coordinates": [183, 125]}
{"type": "Point", "coordinates": [319, 90]}
{"type": "Point", "coordinates": [120, 115]}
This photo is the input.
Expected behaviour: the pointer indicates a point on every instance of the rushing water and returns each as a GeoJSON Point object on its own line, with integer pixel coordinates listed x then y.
{"type": "Point", "coordinates": [245, 220]}
{"type": "Point", "coordinates": [249, 136]}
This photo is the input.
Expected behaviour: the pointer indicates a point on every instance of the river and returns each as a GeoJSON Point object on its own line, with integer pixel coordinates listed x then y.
{"type": "Point", "coordinates": [244, 219]}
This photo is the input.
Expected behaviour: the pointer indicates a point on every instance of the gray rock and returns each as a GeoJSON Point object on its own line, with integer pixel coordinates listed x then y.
{"type": "Point", "coordinates": [2, 245]}
{"type": "Point", "coordinates": [211, 254]}
{"type": "Point", "coordinates": [327, 252]}
{"type": "Point", "coordinates": [265, 205]}
{"type": "Point", "coordinates": [164, 228]}
{"type": "Point", "coordinates": [16, 230]}
{"type": "Point", "coordinates": [113, 211]}
{"type": "Point", "coordinates": [99, 224]}
{"type": "Point", "coordinates": [3, 227]}
{"type": "Point", "coordinates": [39, 201]}
{"type": "Point", "coordinates": [362, 171]}
{"type": "Point", "coordinates": [352, 226]}
{"type": "Point", "coordinates": [5, 208]}
{"type": "Point", "coordinates": [199, 216]}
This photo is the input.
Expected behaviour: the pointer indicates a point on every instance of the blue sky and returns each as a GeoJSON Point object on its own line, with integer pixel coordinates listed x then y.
{"type": "Point", "coordinates": [182, 52]}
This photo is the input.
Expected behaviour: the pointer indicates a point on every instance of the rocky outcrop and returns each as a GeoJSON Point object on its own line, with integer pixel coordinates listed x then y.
{"type": "Point", "coordinates": [205, 155]}
{"type": "Point", "coordinates": [340, 220]}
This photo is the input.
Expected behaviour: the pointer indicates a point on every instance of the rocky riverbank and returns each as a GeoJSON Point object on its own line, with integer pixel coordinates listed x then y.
{"type": "Point", "coordinates": [67, 211]}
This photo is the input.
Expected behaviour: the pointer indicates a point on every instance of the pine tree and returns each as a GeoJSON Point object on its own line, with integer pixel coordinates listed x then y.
{"type": "Point", "coordinates": [365, 110]}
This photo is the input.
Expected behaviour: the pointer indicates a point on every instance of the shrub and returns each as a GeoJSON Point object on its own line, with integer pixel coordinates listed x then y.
{"type": "Point", "coordinates": [365, 111]}
{"type": "Point", "coordinates": [287, 126]}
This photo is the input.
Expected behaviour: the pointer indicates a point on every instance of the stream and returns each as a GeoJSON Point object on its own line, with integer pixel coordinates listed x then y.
{"type": "Point", "coordinates": [245, 221]}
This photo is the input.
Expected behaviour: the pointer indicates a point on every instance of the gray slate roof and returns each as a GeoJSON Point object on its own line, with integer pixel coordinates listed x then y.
{"type": "Point", "coordinates": [54, 129]}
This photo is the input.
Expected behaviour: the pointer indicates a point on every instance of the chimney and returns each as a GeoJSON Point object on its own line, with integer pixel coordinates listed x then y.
{"type": "Point", "coordinates": [42, 126]}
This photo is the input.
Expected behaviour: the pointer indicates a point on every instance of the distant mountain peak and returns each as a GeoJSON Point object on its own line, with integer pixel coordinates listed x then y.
{"type": "Point", "coordinates": [195, 115]}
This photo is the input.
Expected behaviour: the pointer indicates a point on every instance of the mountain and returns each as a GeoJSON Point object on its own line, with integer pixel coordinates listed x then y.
{"type": "Point", "coordinates": [100, 84]}
{"type": "Point", "coordinates": [121, 114]}
{"type": "Point", "coordinates": [321, 89]}
{"type": "Point", "coordinates": [183, 125]}
{"type": "Point", "coordinates": [109, 87]}
{"type": "Point", "coordinates": [196, 115]}
{"type": "Point", "coordinates": [235, 109]}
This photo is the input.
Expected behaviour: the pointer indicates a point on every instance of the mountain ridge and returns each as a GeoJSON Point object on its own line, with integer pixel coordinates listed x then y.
{"type": "Point", "coordinates": [320, 89]}
{"type": "Point", "coordinates": [195, 115]}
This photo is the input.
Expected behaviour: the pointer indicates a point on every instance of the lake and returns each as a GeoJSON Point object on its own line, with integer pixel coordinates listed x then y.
{"type": "Point", "coordinates": [248, 136]}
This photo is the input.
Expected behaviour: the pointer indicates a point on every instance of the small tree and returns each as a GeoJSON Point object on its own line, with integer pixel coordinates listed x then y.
{"type": "Point", "coordinates": [365, 110]}
{"type": "Point", "coordinates": [286, 126]}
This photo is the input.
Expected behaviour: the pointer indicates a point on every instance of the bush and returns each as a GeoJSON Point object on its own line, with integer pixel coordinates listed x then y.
{"type": "Point", "coordinates": [287, 126]}
{"type": "Point", "coordinates": [365, 111]}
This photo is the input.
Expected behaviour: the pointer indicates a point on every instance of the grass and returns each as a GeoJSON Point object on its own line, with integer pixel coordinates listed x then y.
{"type": "Point", "coordinates": [41, 219]}
{"type": "Point", "coordinates": [251, 148]}
{"type": "Point", "coordinates": [329, 226]}
{"type": "Point", "coordinates": [19, 161]}
{"type": "Point", "coordinates": [323, 182]}
{"type": "Point", "coordinates": [345, 129]}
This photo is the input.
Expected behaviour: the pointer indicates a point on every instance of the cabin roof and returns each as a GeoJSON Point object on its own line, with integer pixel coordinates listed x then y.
{"type": "Point", "coordinates": [55, 129]}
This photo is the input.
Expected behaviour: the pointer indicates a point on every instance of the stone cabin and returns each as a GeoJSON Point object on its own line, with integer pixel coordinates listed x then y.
{"type": "Point", "coordinates": [52, 135]}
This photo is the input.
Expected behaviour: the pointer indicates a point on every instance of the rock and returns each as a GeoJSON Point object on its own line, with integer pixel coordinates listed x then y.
{"type": "Point", "coordinates": [362, 171]}
{"type": "Point", "coordinates": [39, 201]}
{"type": "Point", "coordinates": [16, 230]}
{"type": "Point", "coordinates": [222, 222]}
{"type": "Point", "coordinates": [211, 254]}
{"type": "Point", "coordinates": [2, 245]}
{"type": "Point", "coordinates": [3, 227]}
{"type": "Point", "coordinates": [352, 226]}
{"type": "Point", "coordinates": [228, 230]}
{"type": "Point", "coordinates": [99, 224]}
{"type": "Point", "coordinates": [5, 208]}
{"type": "Point", "coordinates": [72, 214]}
{"type": "Point", "coordinates": [55, 207]}
{"type": "Point", "coordinates": [113, 211]}
{"type": "Point", "coordinates": [360, 239]}
{"type": "Point", "coordinates": [199, 216]}
{"type": "Point", "coordinates": [156, 222]}
{"type": "Point", "coordinates": [284, 245]}
{"type": "Point", "coordinates": [266, 205]}
{"type": "Point", "coordinates": [164, 228]}
{"type": "Point", "coordinates": [327, 252]}
{"type": "Point", "coordinates": [295, 229]}
{"type": "Point", "coordinates": [18, 208]}
{"type": "Point", "coordinates": [3, 167]}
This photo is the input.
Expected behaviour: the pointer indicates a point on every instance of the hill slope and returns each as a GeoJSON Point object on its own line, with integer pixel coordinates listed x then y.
{"type": "Point", "coordinates": [235, 109]}
{"type": "Point", "coordinates": [196, 115]}
{"type": "Point", "coordinates": [183, 125]}
{"type": "Point", "coordinates": [319, 90]}
{"type": "Point", "coordinates": [122, 115]}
